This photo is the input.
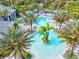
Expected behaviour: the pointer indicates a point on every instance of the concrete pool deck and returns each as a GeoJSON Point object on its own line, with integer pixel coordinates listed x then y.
{"type": "Point", "coordinates": [37, 56]}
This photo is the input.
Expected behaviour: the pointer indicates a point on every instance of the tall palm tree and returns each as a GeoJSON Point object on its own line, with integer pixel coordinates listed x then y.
{"type": "Point", "coordinates": [30, 21]}
{"type": "Point", "coordinates": [44, 30]}
{"type": "Point", "coordinates": [70, 35]}
{"type": "Point", "coordinates": [30, 18]}
{"type": "Point", "coordinates": [15, 43]}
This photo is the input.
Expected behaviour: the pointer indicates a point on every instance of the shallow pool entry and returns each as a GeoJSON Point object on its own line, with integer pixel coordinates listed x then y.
{"type": "Point", "coordinates": [53, 50]}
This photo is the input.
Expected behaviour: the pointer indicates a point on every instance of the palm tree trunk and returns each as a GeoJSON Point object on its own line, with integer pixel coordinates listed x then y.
{"type": "Point", "coordinates": [58, 5]}
{"type": "Point", "coordinates": [72, 49]}
{"type": "Point", "coordinates": [31, 25]}
{"type": "Point", "coordinates": [60, 26]}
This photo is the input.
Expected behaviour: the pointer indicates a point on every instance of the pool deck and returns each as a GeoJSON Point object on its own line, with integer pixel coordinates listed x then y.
{"type": "Point", "coordinates": [35, 56]}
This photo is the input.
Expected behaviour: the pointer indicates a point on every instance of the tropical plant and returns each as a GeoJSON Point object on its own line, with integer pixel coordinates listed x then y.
{"type": "Point", "coordinates": [70, 35]}
{"type": "Point", "coordinates": [20, 9]}
{"type": "Point", "coordinates": [15, 43]}
{"type": "Point", "coordinates": [12, 2]}
{"type": "Point", "coordinates": [70, 55]}
{"type": "Point", "coordinates": [55, 5]}
{"type": "Point", "coordinates": [27, 2]}
{"type": "Point", "coordinates": [30, 18]}
{"type": "Point", "coordinates": [61, 17]}
{"type": "Point", "coordinates": [3, 12]}
{"type": "Point", "coordinates": [15, 2]}
{"type": "Point", "coordinates": [6, 2]}
{"type": "Point", "coordinates": [73, 9]}
{"type": "Point", "coordinates": [44, 30]}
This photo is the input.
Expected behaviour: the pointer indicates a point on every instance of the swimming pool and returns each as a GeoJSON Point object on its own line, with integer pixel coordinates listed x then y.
{"type": "Point", "coordinates": [53, 50]}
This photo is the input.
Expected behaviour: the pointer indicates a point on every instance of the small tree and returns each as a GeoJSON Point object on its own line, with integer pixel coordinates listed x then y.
{"type": "Point", "coordinates": [44, 30]}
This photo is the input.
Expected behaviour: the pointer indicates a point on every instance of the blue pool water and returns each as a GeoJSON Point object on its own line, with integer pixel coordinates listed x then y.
{"type": "Point", "coordinates": [47, 51]}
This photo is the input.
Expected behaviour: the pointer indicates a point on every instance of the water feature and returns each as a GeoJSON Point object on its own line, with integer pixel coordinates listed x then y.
{"type": "Point", "coordinates": [53, 50]}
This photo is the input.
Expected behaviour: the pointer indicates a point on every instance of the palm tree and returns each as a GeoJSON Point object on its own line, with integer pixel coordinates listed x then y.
{"type": "Point", "coordinates": [30, 18]}
{"type": "Point", "coordinates": [30, 21]}
{"type": "Point", "coordinates": [70, 35]}
{"type": "Point", "coordinates": [44, 30]}
{"type": "Point", "coordinates": [61, 17]}
{"type": "Point", "coordinates": [15, 43]}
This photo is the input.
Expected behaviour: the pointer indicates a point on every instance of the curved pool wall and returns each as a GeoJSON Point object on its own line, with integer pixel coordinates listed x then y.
{"type": "Point", "coordinates": [53, 50]}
